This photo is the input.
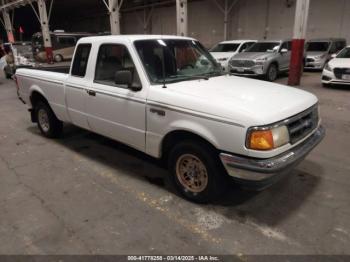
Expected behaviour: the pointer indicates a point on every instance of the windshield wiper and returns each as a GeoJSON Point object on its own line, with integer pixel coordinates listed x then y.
{"type": "Point", "coordinates": [185, 77]}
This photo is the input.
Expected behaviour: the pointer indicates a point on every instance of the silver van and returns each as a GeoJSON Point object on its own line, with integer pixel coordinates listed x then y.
{"type": "Point", "coordinates": [264, 58]}
{"type": "Point", "coordinates": [320, 51]}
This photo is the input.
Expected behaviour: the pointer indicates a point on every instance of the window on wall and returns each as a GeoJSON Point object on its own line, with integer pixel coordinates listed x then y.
{"type": "Point", "coordinates": [111, 59]}
{"type": "Point", "coordinates": [81, 59]}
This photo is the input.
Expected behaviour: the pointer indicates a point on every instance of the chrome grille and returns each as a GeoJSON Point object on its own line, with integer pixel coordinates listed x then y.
{"type": "Point", "coordinates": [242, 63]}
{"type": "Point", "coordinates": [303, 124]}
{"type": "Point", "coordinates": [339, 72]}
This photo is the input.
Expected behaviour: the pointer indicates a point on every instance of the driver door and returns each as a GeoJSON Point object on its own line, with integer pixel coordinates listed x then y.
{"type": "Point", "coordinates": [116, 111]}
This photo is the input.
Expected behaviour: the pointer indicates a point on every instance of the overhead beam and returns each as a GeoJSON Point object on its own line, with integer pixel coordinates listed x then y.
{"type": "Point", "coordinates": [181, 17]}
{"type": "Point", "coordinates": [15, 4]}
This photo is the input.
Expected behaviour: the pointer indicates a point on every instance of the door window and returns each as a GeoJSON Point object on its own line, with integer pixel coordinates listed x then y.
{"type": "Point", "coordinates": [287, 45]}
{"type": "Point", "coordinates": [81, 60]}
{"type": "Point", "coordinates": [66, 41]}
{"type": "Point", "coordinates": [243, 47]}
{"type": "Point", "coordinates": [340, 45]}
{"type": "Point", "coordinates": [111, 59]}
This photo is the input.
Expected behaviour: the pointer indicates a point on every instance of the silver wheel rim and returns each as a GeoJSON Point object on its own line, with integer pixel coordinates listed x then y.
{"type": "Point", "coordinates": [58, 58]}
{"type": "Point", "coordinates": [43, 120]}
{"type": "Point", "coordinates": [191, 173]}
{"type": "Point", "coordinates": [272, 73]}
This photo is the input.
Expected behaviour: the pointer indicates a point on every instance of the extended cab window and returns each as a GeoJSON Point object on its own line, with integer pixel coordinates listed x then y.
{"type": "Point", "coordinates": [81, 60]}
{"type": "Point", "coordinates": [111, 59]}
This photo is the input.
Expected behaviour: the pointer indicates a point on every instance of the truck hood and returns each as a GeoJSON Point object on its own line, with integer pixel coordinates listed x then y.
{"type": "Point", "coordinates": [340, 62]}
{"type": "Point", "coordinates": [252, 55]}
{"type": "Point", "coordinates": [246, 102]}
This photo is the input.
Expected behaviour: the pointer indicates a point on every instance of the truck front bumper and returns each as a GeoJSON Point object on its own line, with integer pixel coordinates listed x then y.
{"type": "Point", "coordinates": [266, 171]}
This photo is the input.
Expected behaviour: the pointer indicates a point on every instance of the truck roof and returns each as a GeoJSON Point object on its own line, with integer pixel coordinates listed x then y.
{"type": "Point", "coordinates": [130, 38]}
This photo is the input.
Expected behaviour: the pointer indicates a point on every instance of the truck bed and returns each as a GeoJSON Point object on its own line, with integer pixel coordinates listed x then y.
{"type": "Point", "coordinates": [57, 69]}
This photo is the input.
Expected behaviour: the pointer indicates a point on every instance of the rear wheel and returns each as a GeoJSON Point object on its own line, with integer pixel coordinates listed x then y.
{"type": "Point", "coordinates": [48, 123]}
{"type": "Point", "coordinates": [196, 171]}
{"type": "Point", "coordinates": [58, 58]}
{"type": "Point", "coordinates": [272, 73]}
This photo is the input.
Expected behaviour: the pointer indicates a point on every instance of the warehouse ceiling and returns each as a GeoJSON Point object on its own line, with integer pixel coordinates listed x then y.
{"type": "Point", "coordinates": [66, 12]}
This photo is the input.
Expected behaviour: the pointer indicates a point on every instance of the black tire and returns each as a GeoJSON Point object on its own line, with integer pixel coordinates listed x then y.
{"type": "Point", "coordinates": [58, 58]}
{"type": "Point", "coordinates": [216, 184]}
{"type": "Point", "coordinates": [271, 73]}
{"type": "Point", "coordinates": [51, 127]}
{"type": "Point", "coordinates": [326, 85]}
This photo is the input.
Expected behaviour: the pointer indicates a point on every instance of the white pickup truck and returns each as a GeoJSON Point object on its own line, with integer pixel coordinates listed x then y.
{"type": "Point", "coordinates": [167, 97]}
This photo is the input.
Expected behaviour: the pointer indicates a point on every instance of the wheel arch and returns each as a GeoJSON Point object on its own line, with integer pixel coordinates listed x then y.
{"type": "Point", "coordinates": [36, 95]}
{"type": "Point", "coordinates": [172, 137]}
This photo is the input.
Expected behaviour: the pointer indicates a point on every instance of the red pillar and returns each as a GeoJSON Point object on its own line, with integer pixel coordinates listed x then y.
{"type": "Point", "coordinates": [296, 62]}
{"type": "Point", "coordinates": [49, 55]}
{"type": "Point", "coordinates": [299, 35]}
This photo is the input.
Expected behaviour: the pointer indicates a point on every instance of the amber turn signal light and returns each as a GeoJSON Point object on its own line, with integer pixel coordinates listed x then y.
{"type": "Point", "coordinates": [261, 140]}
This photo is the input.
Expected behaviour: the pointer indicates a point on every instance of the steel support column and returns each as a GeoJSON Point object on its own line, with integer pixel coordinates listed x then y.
{"type": "Point", "coordinates": [8, 26]}
{"type": "Point", "coordinates": [181, 17]}
{"type": "Point", "coordinates": [298, 43]}
{"type": "Point", "coordinates": [44, 22]}
{"type": "Point", "coordinates": [226, 10]}
{"type": "Point", "coordinates": [114, 16]}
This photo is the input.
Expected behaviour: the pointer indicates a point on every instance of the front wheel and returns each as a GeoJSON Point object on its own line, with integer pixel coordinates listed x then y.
{"type": "Point", "coordinates": [272, 73]}
{"type": "Point", "coordinates": [48, 123]}
{"type": "Point", "coordinates": [197, 172]}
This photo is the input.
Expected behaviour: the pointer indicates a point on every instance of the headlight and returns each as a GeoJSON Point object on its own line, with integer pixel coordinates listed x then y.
{"type": "Point", "coordinates": [268, 139]}
{"type": "Point", "coordinates": [328, 67]}
{"type": "Point", "coordinates": [320, 57]}
{"type": "Point", "coordinates": [260, 61]}
{"type": "Point", "coordinates": [223, 59]}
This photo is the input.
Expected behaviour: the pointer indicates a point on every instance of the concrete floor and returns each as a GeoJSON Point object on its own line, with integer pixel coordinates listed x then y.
{"type": "Point", "coordinates": [85, 194]}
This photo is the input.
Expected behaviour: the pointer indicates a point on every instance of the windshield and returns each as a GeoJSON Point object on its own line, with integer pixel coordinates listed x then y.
{"type": "Point", "coordinates": [225, 48]}
{"type": "Point", "coordinates": [264, 47]}
{"type": "Point", "coordinates": [317, 46]}
{"type": "Point", "coordinates": [345, 53]}
{"type": "Point", "coordinates": [180, 59]}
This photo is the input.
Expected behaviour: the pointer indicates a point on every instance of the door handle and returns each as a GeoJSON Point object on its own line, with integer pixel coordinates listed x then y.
{"type": "Point", "coordinates": [157, 111]}
{"type": "Point", "coordinates": [91, 92]}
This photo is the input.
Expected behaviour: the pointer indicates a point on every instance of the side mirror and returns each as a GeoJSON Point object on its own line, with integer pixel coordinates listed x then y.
{"type": "Point", "coordinates": [124, 78]}
{"type": "Point", "coordinates": [284, 50]}
{"type": "Point", "coordinates": [243, 50]}
{"type": "Point", "coordinates": [334, 55]}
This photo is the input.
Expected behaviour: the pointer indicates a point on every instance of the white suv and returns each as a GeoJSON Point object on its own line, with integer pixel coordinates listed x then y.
{"type": "Point", "coordinates": [337, 71]}
{"type": "Point", "coordinates": [224, 51]}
